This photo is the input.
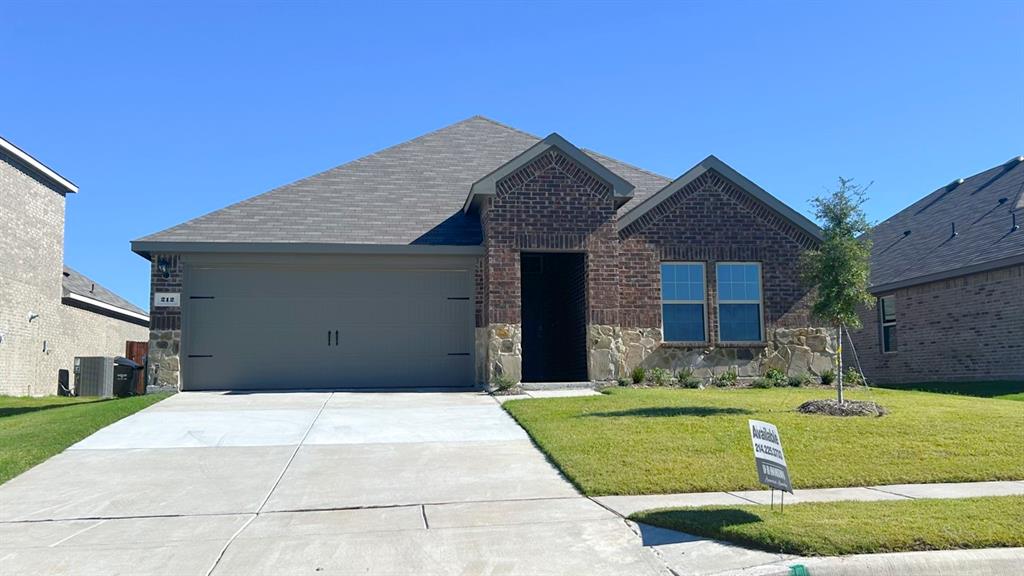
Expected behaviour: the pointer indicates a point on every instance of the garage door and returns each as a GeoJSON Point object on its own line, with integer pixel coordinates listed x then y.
{"type": "Point", "coordinates": [263, 327]}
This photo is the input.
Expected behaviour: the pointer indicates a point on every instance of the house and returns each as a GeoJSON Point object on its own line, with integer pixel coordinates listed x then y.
{"type": "Point", "coordinates": [478, 251]}
{"type": "Point", "coordinates": [49, 313]}
{"type": "Point", "coordinates": [948, 276]}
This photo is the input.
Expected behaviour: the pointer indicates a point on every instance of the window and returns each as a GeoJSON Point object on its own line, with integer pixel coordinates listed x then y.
{"type": "Point", "coordinates": [682, 302]}
{"type": "Point", "coordinates": [739, 302]}
{"type": "Point", "coordinates": [887, 311]}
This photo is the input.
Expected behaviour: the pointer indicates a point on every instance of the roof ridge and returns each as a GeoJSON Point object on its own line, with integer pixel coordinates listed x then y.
{"type": "Point", "coordinates": [503, 125]}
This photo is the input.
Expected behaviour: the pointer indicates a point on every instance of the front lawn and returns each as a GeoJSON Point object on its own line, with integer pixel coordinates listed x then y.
{"type": "Point", "coordinates": [838, 528]}
{"type": "Point", "coordinates": [1003, 390]}
{"type": "Point", "coordinates": [33, 429]}
{"type": "Point", "coordinates": [666, 440]}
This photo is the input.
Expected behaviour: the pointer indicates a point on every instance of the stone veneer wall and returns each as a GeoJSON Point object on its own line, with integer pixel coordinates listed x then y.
{"type": "Point", "coordinates": [165, 325]}
{"type": "Point", "coordinates": [969, 328]}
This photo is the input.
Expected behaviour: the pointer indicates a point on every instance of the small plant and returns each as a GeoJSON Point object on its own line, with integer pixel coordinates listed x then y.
{"type": "Point", "coordinates": [853, 378]}
{"type": "Point", "coordinates": [828, 377]}
{"type": "Point", "coordinates": [799, 380]}
{"type": "Point", "coordinates": [725, 379]}
{"type": "Point", "coordinates": [502, 383]}
{"type": "Point", "coordinates": [775, 377]}
{"type": "Point", "coordinates": [639, 374]}
{"type": "Point", "coordinates": [659, 376]}
{"type": "Point", "coordinates": [686, 379]}
{"type": "Point", "coordinates": [623, 381]}
{"type": "Point", "coordinates": [762, 383]}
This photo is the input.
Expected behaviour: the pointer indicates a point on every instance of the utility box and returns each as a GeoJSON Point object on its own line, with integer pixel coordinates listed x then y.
{"type": "Point", "coordinates": [94, 376]}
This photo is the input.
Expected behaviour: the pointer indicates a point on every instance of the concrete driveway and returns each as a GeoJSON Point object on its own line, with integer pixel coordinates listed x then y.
{"type": "Point", "coordinates": [310, 483]}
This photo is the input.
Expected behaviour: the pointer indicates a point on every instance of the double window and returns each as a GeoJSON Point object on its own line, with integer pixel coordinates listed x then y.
{"type": "Point", "coordinates": [887, 314]}
{"type": "Point", "coordinates": [683, 301]}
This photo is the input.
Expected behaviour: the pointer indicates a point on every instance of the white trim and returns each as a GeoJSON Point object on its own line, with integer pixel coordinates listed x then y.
{"type": "Point", "coordinates": [703, 303]}
{"type": "Point", "coordinates": [36, 164]}
{"type": "Point", "coordinates": [883, 324]}
{"type": "Point", "coordinates": [105, 306]}
{"type": "Point", "coordinates": [759, 302]}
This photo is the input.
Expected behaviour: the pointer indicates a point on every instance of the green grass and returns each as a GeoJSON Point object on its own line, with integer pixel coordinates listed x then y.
{"type": "Point", "coordinates": [33, 429]}
{"type": "Point", "coordinates": [992, 389]}
{"type": "Point", "coordinates": [656, 441]}
{"type": "Point", "coordinates": [839, 528]}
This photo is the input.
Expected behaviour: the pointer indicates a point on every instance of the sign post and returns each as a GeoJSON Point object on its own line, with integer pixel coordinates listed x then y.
{"type": "Point", "coordinates": [769, 458]}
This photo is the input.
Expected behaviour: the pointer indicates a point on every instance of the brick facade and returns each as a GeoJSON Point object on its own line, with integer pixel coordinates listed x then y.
{"type": "Point", "coordinates": [33, 351]}
{"type": "Point", "coordinates": [552, 204]}
{"type": "Point", "coordinates": [961, 329]}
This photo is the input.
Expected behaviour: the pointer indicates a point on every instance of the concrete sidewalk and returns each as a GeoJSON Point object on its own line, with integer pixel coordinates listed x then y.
{"type": "Point", "coordinates": [626, 505]}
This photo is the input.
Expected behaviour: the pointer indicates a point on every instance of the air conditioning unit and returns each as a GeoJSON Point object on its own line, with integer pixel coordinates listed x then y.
{"type": "Point", "coordinates": [94, 376]}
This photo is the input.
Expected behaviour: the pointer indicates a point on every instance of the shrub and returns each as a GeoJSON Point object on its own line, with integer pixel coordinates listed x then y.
{"type": "Point", "coordinates": [762, 383]}
{"type": "Point", "coordinates": [775, 377]}
{"type": "Point", "coordinates": [852, 378]}
{"type": "Point", "coordinates": [724, 379]}
{"type": "Point", "coordinates": [686, 379]}
{"type": "Point", "coordinates": [638, 374]}
{"type": "Point", "coordinates": [623, 381]}
{"type": "Point", "coordinates": [799, 380]}
{"type": "Point", "coordinates": [828, 377]}
{"type": "Point", "coordinates": [659, 376]}
{"type": "Point", "coordinates": [502, 383]}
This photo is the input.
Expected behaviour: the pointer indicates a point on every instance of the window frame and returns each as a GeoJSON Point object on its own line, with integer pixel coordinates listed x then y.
{"type": "Point", "coordinates": [883, 324]}
{"type": "Point", "coordinates": [703, 303]}
{"type": "Point", "coordinates": [759, 302]}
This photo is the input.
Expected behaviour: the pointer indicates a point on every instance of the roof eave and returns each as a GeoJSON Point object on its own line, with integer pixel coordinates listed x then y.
{"type": "Point", "coordinates": [948, 274]}
{"type": "Point", "coordinates": [146, 248]}
{"type": "Point", "coordinates": [38, 166]}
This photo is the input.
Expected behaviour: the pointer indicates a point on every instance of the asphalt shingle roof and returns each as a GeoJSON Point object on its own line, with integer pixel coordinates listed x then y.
{"type": "Point", "coordinates": [411, 193]}
{"type": "Point", "coordinates": [77, 283]}
{"type": "Point", "coordinates": [981, 209]}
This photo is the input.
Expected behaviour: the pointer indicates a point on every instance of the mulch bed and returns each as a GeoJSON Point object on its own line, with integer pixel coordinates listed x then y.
{"type": "Point", "coordinates": [847, 408]}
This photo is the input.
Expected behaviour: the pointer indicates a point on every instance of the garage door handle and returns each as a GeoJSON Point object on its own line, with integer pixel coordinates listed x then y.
{"type": "Point", "coordinates": [328, 337]}
{"type": "Point", "coordinates": [335, 337]}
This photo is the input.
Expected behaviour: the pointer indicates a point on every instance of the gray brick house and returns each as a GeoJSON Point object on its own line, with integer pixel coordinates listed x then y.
{"type": "Point", "coordinates": [948, 274]}
{"type": "Point", "coordinates": [479, 250]}
{"type": "Point", "coordinates": [49, 313]}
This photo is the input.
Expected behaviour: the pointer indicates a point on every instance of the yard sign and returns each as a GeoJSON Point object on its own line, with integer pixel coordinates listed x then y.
{"type": "Point", "coordinates": [768, 456]}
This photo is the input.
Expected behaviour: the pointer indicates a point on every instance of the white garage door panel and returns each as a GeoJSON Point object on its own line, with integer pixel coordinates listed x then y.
{"type": "Point", "coordinates": [252, 328]}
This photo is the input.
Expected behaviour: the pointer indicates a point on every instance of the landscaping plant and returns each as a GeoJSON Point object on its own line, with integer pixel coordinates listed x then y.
{"type": "Point", "coordinates": [659, 376]}
{"type": "Point", "coordinates": [775, 377]}
{"type": "Point", "coordinates": [839, 269]}
{"type": "Point", "coordinates": [725, 379]}
{"type": "Point", "coordinates": [638, 375]}
{"type": "Point", "coordinates": [686, 379]}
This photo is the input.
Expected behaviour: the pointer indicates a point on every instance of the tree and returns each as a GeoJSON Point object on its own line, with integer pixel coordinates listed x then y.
{"type": "Point", "coordinates": [839, 269]}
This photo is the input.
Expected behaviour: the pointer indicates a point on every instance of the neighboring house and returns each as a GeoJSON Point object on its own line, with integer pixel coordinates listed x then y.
{"type": "Point", "coordinates": [476, 251]}
{"type": "Point", "coordinates": [948, 273]}
{"type": "Point", "coordinates": [48, 312]}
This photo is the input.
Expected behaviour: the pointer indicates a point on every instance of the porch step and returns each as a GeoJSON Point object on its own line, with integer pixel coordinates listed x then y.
{"type": "Point", "coordinates": [540, 386]}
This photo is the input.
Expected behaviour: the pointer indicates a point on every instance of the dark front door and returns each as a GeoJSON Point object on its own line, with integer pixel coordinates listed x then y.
{"type": "Point", "coordinates": [554, 309]}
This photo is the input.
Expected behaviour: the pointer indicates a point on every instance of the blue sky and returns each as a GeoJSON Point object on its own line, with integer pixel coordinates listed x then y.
{"type": "Point", "coordinates": [161, 112]}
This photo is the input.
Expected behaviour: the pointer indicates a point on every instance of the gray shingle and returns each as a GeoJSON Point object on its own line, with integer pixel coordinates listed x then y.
{"type": "Point", "coordinates": [77, 283]}
{"type": "Point", "coordinates": [982, 225]}
{"type": "Point", "coordinates": [411, 193]}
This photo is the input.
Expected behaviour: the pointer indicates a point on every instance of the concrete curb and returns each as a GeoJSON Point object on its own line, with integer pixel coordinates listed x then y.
{"type": "Point", "coordinates": [984, 562]}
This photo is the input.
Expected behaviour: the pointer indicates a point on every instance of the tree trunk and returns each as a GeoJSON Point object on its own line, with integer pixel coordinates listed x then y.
{"type": "Point", "coordinates": [839, 362]}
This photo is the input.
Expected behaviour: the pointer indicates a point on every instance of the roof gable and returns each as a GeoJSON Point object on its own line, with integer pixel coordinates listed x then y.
{"type": "Point", "coordinates": [711, 163]}
{"type": "Point", "coordinates": [486, 186]}
{"type": "Point", "coordinates": [44, 171]}
{"type": "Point", "coordinates": [74, 283]}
